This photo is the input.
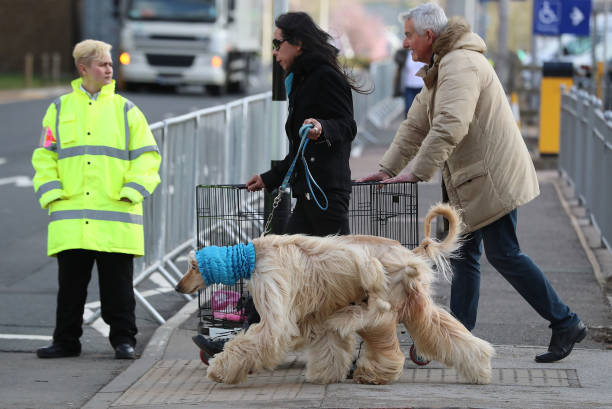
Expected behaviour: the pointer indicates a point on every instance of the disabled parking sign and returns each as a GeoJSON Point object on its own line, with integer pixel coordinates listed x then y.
{"type": "Point", "coordinates": [555, 17]}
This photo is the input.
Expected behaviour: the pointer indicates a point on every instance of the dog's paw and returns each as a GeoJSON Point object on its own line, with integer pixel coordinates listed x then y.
{"type": "Point", "coordinates": [214, 371]}
{"type": "Point", "coordinates": [481, 377]}
{"type": "Point", "coordinates": [224, 370]}
{"type": "Point", "coordinates": [367, 378]}
{"type": "Point", "coordinates": [373, 373]}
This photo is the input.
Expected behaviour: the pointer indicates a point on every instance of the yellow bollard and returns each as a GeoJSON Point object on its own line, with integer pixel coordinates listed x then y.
{"type": "Point", "coordinates": [553, 75]}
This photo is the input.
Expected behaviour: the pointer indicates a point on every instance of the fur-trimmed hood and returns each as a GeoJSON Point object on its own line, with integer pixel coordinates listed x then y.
{"type": "Point", "coordinates": [456, 35]}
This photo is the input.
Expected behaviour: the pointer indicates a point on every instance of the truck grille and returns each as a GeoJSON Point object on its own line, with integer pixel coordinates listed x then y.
{"type": "Point", "coordinates": [170, 60]}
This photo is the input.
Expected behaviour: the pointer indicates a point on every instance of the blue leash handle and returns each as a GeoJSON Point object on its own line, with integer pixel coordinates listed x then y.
{"type": "Point", "coordinates": [302, 148]}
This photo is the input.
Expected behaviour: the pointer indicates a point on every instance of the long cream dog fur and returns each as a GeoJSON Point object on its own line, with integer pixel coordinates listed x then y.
{"type": "Point", "coordinates": [310, 292]}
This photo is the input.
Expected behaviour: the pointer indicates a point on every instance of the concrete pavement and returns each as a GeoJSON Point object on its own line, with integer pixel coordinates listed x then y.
{"type": "Point", "coordinates": [170, 374]}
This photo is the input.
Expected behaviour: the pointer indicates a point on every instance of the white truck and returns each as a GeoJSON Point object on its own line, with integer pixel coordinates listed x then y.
{"type": "Point", "coordinates": [213, 43]}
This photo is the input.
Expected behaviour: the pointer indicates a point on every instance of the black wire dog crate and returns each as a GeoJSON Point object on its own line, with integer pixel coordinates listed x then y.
{"type": "Point", "coordinates": [229, 214]}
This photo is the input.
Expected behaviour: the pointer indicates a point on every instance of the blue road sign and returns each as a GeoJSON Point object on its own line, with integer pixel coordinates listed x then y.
{"type": "Point", "coordinates": [555, 17]}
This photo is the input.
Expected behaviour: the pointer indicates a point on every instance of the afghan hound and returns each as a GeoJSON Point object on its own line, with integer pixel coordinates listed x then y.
{"type": "Point", "coordinates": [314, 293]}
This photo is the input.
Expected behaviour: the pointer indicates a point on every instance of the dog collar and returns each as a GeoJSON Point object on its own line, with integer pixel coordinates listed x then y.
{"type": "Point", "coordinates": [226, 265]}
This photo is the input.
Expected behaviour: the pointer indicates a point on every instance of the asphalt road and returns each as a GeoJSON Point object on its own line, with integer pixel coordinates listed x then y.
{"type": "Point", "coordinates": [28, 278]}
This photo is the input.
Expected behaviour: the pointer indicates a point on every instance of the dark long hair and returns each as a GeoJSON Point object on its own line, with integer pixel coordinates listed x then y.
{"type": "Point", "coordinates": [299, 29]}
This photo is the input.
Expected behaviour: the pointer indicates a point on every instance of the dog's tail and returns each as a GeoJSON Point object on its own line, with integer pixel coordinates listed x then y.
{"type": "Point", "coordinates": [440, 251]}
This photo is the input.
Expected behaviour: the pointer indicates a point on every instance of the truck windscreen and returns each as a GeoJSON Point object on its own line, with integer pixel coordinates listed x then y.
{"type": "Point", "coordinates": [173, 10]}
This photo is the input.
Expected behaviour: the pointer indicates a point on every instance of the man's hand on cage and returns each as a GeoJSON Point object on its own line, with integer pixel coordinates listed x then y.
{"type": "Point", "coordinates": [255, 183]}
{"type": "Point", "coordinates": [374, 177]}
{"type": "Point", "coordinates": [408, 177]}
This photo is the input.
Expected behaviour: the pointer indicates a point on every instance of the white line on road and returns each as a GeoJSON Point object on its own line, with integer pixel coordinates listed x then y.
{"type": "Point", "coordinates": [2, 161]}
{"type": "Point", "coordinates": [99, 324]}
{"type": "Point", "coordinates": [19, 181]}
{"type": "Point", "coordinates": [21, 336]}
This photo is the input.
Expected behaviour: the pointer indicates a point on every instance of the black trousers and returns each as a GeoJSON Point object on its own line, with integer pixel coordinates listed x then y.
{"type": "Point", "coordinates": [308, 218]}
{"type": "Point", "coordinates": [115, 273]}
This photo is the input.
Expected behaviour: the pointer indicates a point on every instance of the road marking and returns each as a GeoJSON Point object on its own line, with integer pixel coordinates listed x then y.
{"type": "Point", "coordinates": [22, 336]}
{"type": "Point", "coordinates": [2, 161]}
{"type": "Point", "coordinates": [99, 324]}
{"type": "Point", "coordinates": [19, 181]}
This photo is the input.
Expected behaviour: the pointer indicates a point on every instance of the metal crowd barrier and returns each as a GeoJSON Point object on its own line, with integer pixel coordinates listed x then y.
{"type": "Point", "coordinates": [376, 110]}
{"type": "Point", "coordinates": [380, 77]}
{"type": "Point", "coordinates": [585, 156]}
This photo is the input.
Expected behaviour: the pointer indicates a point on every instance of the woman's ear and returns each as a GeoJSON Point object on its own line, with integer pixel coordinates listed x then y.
{"type": "Point", "coordinates": [82, 69]}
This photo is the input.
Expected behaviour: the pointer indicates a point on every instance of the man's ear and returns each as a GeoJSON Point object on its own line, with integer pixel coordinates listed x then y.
{"type": "Point", "coordinates": [430, 36]}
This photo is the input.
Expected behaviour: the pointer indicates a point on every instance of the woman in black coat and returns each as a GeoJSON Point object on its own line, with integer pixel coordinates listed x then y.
{"type": "Point", "coordinates": [319, 94]}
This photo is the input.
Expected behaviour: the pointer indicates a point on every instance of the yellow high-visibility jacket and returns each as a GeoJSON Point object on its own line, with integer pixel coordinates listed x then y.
{"type": "Point", "coordinates": [93, 153]}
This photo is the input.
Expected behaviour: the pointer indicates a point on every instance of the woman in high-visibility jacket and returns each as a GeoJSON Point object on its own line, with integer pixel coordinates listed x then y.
{"type": "Point", "coordinates": [97, 161]}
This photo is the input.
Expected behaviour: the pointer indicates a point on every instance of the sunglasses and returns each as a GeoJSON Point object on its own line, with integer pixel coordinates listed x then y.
{"type": "Point", "coordinates": [277, 43]}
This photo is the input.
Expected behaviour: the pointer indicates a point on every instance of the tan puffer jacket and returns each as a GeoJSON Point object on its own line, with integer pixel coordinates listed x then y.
{"type": "Point", "coordinates": [462, 122]}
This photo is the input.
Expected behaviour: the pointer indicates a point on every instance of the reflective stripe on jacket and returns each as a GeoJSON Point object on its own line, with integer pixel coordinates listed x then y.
{"type": "Point", "coordinates": [94, 153]}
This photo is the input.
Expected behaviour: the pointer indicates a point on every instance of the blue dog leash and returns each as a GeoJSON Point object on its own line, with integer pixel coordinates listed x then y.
{"type": "Point", "coordinates": [301, 149]}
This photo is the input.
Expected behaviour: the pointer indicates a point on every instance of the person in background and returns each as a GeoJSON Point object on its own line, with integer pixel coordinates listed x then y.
{"type": "Point", "coordinates": [406, 82]}
{"type": "Point", "coordinates": [319, 94]}
{"type": "Point", "coordinates": [462, 122]}
{"type": "Point", "coordinates": [96, 163]}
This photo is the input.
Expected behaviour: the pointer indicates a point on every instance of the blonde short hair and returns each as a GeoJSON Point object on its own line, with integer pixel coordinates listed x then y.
{"type": "Point", "coordinates": [87, 50]}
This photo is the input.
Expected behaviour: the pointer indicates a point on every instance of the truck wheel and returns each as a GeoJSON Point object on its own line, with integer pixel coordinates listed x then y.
{"type": "Point", "coordinates": [214, 90]}
{"type": "Point", "coordinates": [238, 87]}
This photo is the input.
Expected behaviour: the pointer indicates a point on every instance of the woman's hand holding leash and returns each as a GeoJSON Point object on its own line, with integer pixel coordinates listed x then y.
{"type": "Point", "coordinates": [315, 132]}
{"type": "Point", "coordinates": [255, 183]}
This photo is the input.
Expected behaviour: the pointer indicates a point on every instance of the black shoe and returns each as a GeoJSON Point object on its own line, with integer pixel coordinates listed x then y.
{"type": "Point", "coordinates": [56, 351]}
{"type": "Point", "coordinates": [209, 347]}
{"type": "Point", "coordinates": [562, 342]}
{"type": "Point", "coordinates": [125, 351]}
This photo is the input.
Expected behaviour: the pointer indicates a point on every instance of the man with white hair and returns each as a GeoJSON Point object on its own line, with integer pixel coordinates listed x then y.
{"type": "Point", "coordinates": [96, 163]}
{"type": "Point", "coordinates": [462, 122]}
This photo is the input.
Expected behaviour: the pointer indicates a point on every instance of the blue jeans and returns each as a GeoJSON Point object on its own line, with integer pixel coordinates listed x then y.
{"type": "Point", "coordinates": [503, 252]}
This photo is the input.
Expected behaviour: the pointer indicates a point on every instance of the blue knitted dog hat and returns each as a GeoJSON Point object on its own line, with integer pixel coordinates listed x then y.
{"type": "Point", "coordinates": [226, 265]}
